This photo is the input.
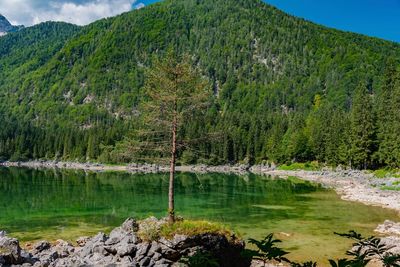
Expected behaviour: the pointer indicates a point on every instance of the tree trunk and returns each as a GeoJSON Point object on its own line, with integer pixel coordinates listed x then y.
{"type": "Point", "coordinates": [171, 202]}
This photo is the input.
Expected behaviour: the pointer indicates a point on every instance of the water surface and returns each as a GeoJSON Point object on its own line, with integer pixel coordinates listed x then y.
{"type": "Point", "coordinates": [50, 204]}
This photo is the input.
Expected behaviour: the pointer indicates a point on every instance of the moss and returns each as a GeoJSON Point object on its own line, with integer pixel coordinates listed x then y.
{"type": "Point", "coordinates": [4, 250]}
{"type": "Point", "coordinates": [151, 231]}
{"type": "Point", "coordinates": [192, 228]}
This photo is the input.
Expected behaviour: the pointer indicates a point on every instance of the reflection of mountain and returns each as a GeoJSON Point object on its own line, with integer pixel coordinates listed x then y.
{"type": "Point", "coordinates": [28, 193]}
{"type": "Point", "coordinates": [5, 26]}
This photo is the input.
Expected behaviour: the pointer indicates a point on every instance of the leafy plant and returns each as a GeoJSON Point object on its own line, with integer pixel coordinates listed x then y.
{"type": "Point", "coordinates": [365, 249]}
{"type": "Point", "coordinates": [267, 250]}
{"type": "Point", "coordinates": [200, 259]}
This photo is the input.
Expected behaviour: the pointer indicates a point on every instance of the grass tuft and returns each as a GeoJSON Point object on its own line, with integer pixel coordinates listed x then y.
{"type": "Point", "coordinates": [154, 230]}
{"type": "Point", "coordinates": [192, 228]}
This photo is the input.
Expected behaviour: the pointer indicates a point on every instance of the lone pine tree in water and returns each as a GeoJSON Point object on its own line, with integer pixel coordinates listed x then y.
{"type": "Point", "coordinates": [175, 92]}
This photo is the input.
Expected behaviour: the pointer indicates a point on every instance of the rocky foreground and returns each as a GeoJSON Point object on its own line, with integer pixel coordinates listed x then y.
{"type": "Point", "coordinates": [124, 247]}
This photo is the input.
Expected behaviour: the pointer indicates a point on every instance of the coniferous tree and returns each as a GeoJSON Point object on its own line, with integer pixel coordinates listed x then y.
{"type": "Point", "coordinates": [175, 93]}
{"type": "Point", "coordinates": [362, 124]}
{"type": "Point", "coordinates": [387, 113]}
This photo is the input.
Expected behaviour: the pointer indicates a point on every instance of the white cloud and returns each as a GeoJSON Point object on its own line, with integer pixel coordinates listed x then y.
{"type": "Point", "coordinates": [81, 12]}
{"type": "Point", "coordinates": [139, 6]}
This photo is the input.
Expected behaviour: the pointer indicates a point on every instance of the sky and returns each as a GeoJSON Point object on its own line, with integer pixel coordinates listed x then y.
{"type": "Point", "coordinates": [378, 18]}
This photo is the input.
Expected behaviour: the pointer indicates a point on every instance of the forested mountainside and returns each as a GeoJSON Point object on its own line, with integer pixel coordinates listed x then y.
{"type": "Point", "coordinates": [285, 89]}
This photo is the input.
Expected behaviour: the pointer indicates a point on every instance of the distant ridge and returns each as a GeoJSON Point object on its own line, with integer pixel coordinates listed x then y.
{"type": "Point", "coordinates": [6, 26]}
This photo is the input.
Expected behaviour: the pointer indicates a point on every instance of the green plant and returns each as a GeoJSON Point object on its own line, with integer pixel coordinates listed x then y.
{"type": "Point", "coordinates": [200, 259]}
{"type": "Point", "coordinates": [365, 249]}
{"type": "Point", "coordinates": [267, 250]}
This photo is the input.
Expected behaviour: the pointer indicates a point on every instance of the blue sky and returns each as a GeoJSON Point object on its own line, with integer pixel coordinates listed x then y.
{"type": "Point", "coordinates": [379, 18]}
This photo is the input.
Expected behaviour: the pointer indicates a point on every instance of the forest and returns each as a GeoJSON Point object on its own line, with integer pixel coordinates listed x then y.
{"type": "Point", "coordinates": [284, 89]}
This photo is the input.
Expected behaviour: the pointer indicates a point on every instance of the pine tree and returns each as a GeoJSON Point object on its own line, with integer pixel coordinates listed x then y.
{"type": "Point", "coordinates": [362, 124]}
{"type": "Point", "coordinates": [175, 93]}
{"type": "Point", "coordinates": [387, 113]}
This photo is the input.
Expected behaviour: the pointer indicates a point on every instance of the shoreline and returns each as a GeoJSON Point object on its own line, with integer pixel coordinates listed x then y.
{"type": "Point", "coordinates": [350, 185]}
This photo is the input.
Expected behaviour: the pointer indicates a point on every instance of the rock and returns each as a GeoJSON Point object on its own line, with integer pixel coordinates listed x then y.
{"type": "Point", "coordinates": [2, 260]}
{"type": "Point", "coordinates": [388, 228]}
{"type": "Point", "coordinates": [163, 263]}
{"type": "Point", "coordinates": [40, 246]}
{"type": "Point", "coordinates": [94, 245]}
{"type": "Point", "coordinates": [145, 261]}
{"type": "Point", "coordinates": [142, 249]}
{"type": "Point", "coordinates": [3, 234]}
{"type": "Point", "coordinates": [124, 248]}
{"type": "Point", "coordinates": [63, 248]}
{"type": "Point", "coordinates": [130, 225]}
{"type": "Point", "coordinates": [81, 241]}
{"type": "Point", "coordinates": [10, 251]}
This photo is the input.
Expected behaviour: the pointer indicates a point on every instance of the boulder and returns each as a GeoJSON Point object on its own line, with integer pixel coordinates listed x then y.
{"type": "Point", "coordinates": [10, 251]}
{"type": "Point", "coordinates": [40, 246]}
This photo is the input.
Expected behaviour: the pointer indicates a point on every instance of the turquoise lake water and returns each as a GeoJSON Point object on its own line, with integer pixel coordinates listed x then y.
{"type": "Point", "coordinates": [54, 204]}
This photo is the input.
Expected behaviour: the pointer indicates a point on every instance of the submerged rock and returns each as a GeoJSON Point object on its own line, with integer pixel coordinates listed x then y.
{"type": "Point", "coordinates": [123, 247]}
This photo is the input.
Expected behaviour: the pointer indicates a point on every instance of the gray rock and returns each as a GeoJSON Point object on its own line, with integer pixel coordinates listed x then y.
{"type": "Point", "coordinates": [142, 249]}
{"type": "Point", "coordinates": [157, 256]}
{"type": "Point", "coordinates": [10, 250]}
{"type": "Point", "coordinates": [2, 260]}
{"type": "Point", "coordinates": [81, 241]}
{"type": "Point", "coordinates": [94, 245]}
{"type": "Point", "coordinates": [130, 225]}
{"type": "Point", "coordinates": [127, 261]}
{"type": "Point", "coordinates": [63, 248]}
{"type": "Point", "coordinates": [125, 249]}
{"type": "Point", "coordinates": [3, 233]}
{"type": "Point", "coordinates": [40, 246]}
{"type": "Point", "coordinates": [162, 263]}
{"type": "Point", "coordinates": [145, 261]}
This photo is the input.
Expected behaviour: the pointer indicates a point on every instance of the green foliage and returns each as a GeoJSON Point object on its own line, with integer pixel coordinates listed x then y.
{"type": "Point", "coordinates": [201, 259]}
{"type": "Point", "coordinates": [266, 250]}
{"type": "Point", "coordinates": [363, 251]}
{"type": "Point", "coordinates": [192, 228]}
{"type": "Point", "coordinates": [362, 131]}
{"type": "Point", "coordinates": [284, 88]}
{"type": "Point", "coordinates": [308, 166]}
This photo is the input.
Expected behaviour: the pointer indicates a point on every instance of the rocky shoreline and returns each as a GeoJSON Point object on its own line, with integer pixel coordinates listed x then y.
{"type": "Point", "coordinates": [351, 185]}
{"type": "Point", "coordinates": [133, 167]}
{"type": "Point", "coordinates": [125, 247]}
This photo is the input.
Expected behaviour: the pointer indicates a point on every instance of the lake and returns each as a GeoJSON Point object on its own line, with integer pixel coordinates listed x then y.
{"type": "Point", "coordinates": [52, 204]}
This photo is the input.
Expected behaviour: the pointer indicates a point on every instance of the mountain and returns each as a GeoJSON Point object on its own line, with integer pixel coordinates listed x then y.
{"type": "Point", "coordinates": [5, 26]}
{"type": "Point", "coordinates": [71, 92]}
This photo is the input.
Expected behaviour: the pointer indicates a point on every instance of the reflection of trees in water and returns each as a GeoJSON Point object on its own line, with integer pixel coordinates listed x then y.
{"type": "Point", "coordinates": [45, 195]}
